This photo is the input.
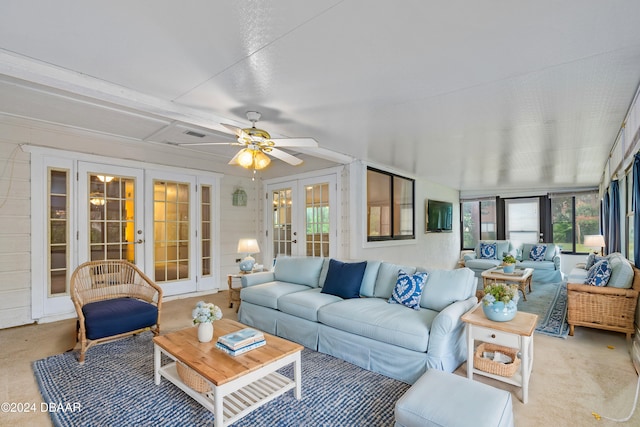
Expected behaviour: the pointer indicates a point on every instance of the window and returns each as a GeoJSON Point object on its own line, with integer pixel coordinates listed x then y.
{"type": "Point", "coordinates": [58, 181]}
{"type": "Point", "coordinates": [574, 216]}
{"type": "Point", "coordinates": [522, 221]}
{"type": "Point", "coordinates": [478, 222]}
{"type": "Point", "coordinates": [390, 206]}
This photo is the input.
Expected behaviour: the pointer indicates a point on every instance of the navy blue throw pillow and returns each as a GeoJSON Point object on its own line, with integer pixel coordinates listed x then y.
{"type": "Point", "coordinates": [344, 279]}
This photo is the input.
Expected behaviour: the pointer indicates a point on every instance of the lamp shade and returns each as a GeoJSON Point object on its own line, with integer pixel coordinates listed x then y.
{"type": "Point", "coordinates": [594, 241]}
{"type": "Point", "coordinates": [248, 246]}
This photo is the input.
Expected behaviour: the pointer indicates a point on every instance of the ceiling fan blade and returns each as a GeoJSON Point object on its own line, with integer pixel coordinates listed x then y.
{"type": "Point", "coordinates": [295, 142]}
{"type": "Point", "coordinates": [235, 129]}
{"type": "Point", "coordinates": [186, 144]}
{"type": "Point", "coordinates": [234, 160]}
{"type": "Point", "coordinates": [285, 157]}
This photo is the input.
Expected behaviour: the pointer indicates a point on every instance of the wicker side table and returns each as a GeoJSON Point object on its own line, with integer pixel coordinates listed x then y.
{"type": "Point", "coordinates": [234, 292]}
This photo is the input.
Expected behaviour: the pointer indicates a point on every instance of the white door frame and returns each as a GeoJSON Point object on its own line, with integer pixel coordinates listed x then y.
{"type": "Point", "coordinates": [297, 184]}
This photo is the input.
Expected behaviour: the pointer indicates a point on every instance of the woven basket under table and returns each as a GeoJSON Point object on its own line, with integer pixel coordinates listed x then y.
{"type": "Point", "coordinates": [192, 378]}
{"type": "Point", "coordinates": [487, 365]}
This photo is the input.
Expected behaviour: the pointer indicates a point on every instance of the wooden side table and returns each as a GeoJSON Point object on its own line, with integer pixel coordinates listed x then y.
{"type": "Point", "coordinates": [234, 293]}
{"type": "Point", "coordinates": [516, 333]}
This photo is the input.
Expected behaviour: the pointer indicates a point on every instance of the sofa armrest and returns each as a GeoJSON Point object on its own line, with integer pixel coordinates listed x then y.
{"type": "Point", "coordinates": [444, 326]}
{"type": "Point", "coordinates": [257, 278]}
{"type": "Point", "coordinates": [601, 290]}
{"type": "Point", "coordinates": [471, 255]}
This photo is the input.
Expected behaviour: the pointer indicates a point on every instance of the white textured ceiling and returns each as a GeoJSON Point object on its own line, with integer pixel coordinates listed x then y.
{"type": "Point", "coordinates": [478, 96]}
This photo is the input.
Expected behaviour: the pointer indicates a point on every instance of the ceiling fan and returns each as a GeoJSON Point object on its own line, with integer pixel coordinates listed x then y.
{"type": "Point", "coordinates": [258, 145]}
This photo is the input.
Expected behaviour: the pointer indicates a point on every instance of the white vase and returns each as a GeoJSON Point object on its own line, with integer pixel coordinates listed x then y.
{"type": "Point", "coordinates": [205, 332]}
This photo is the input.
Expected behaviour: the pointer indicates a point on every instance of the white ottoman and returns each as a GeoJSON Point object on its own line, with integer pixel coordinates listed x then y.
{"type": "Point", "coordinates": [447, 400]}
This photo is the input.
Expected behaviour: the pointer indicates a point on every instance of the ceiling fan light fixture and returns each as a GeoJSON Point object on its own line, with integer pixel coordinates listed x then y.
{"type": "Point", "coordinates": [245, 158]}
{"type": "Point", "coordinates": [261, 160]}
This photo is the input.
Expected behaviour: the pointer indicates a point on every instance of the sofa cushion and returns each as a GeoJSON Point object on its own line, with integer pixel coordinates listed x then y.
{"type": "Point", "coordinates": [344, 278]}
{"type": "Point", "coordinates": [599, 274]}
{"type": "Point", "coordinates": [592, 259]}
{"type": "Point", "coordinates": [621, 271]}
{"type": "Point", "coordinates": [502, 247]}
{"type": "Point", "coordinates": [305, 304]}
{"type": "Point", "coordinates": [536, 265]}
{"type": "Point", "coordinates": [488, 251]}
{"type": "Point", "coordinates": [444, 287]}
{"type": "Point", "coordinates": [537, 252]}
{"type": "Point", "coordinates": [549, 253]}
{"type": "Point", "coordinates": [387, 277]}
{"type": "Point", "coordinates": [267, 294]}
{"type": "Point", "coordinates": [408, 289]}
{"type": "Point", "coordinates": [299, 270]}
{"type": "Point", "coordinates": [482, 264]}
{"type": "Point", "coordinates": [376, 319]}
{"type": "Point", "coordinates": [117, 316]}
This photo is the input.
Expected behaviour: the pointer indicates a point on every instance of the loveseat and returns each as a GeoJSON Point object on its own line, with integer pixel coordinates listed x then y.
{"type": "Point", "coordinates": [546, 270]}
{"type": "Point", "coordinates": [361, 326]}
{"type": "Point", "coordinates": [603, 296]}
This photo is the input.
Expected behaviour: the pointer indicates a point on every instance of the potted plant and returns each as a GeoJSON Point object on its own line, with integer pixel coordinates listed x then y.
{"type": "Point", "coordinates": [500, 302]}
{"type": "Point", "coordinates": [203, 315]}
{"type": "Point", "coordinates": [509, 263]}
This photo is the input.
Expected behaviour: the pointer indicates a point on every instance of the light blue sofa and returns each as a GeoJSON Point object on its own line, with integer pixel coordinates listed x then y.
{"type": "Point", "coordinates": [391, 339]}
{"type": "Point", "coordinates": [546, 271]}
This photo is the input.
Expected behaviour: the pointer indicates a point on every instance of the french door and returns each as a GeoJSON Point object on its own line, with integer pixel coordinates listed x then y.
{"type": "Point", "coordinates": [301, 218]}
{"type": "Point", "coordinates": [161, 220]}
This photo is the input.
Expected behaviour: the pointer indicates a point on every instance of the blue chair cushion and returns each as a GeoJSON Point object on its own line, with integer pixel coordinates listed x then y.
{"type": "Point", "coordinates": [344, 279]}
{"type": "Point", "coordinates": [117, 316]}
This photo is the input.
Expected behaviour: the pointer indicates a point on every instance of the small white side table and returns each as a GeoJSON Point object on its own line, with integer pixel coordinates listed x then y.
{"type": "Point", "coordinates": [516, 333]}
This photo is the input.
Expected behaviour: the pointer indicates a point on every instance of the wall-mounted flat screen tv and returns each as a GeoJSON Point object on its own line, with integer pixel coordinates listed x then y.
{"type": "Point", "coordinates": [439, 216]}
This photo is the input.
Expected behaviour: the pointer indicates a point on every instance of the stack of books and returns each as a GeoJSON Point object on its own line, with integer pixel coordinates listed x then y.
{"type": "Point", "coordinates": [241, 341]}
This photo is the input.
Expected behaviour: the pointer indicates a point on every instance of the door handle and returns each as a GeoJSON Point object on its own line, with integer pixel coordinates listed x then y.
{"type": "Point", "coordinates": [294, 241]}
{"type": "Point", "coordinates": [139, 241]}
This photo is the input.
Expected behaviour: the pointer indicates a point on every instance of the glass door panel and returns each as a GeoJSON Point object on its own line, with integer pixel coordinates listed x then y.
{"type": "Point", "coordinates": [282, 222]}
{"type": "Point", "coordinates": [171, 225]}
{"type": "Point", "coordinates": [317, 220]}
{"type": "Point", "coordinates": [58, 231]}
{"type": "Point", "coordinates": [111, 217]}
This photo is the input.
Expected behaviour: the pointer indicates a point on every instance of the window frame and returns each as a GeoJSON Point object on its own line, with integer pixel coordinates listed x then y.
{"type": "Point", "coordinates": [392, 226]}
{"type": "Point", "coordinates": [574, 222]}
{"type": "Point", "coordinates": [480, 223]}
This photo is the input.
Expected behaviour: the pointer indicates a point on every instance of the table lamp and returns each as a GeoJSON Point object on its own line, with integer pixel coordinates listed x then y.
{"type": "Point", "coordinates": [595, 241]}
{"type": "Point", "coordinates": [248, 247]}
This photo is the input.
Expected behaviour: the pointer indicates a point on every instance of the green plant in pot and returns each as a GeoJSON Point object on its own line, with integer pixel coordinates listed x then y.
{"type": "Point", "coordinates": [509, 263]}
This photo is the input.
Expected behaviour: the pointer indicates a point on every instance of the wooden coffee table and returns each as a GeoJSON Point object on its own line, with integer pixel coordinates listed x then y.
{"type": "Point", "coordinates": [521, 277]}
{"type": "Point", "coordinates": [239, 384]}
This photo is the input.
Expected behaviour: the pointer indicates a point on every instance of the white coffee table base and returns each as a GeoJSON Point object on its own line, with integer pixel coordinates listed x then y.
{"type": "Point", "coordinates": [233, 400]}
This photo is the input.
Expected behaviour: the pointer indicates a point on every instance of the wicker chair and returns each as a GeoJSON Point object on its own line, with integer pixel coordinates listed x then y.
{"type": "Point", "coordinates": [113, 299]}
{"type": "Point", "coordinates": [612, 309]}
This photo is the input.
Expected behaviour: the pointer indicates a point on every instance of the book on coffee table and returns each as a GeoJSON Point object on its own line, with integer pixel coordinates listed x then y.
{"type": "Point", "coordinates": [240, 350]}
{"type": "Point", "coordinates": [241, 338]}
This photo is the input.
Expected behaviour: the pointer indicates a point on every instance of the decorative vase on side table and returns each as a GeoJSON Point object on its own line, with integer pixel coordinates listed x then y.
{"type": "Point", "coordinates": [500, 302]}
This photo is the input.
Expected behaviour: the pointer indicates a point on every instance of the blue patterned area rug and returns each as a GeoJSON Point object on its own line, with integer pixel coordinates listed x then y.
{"type": "Point", "coordinates": [115, 388]}
{"type": "Point", "coordinates": [549, 302]}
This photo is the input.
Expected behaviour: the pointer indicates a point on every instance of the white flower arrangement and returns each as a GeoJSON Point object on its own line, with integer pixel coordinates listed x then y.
{"type": "Point", "coordinates": [501, 292]}
{"type": "Point", "coordinates": [206, 312]}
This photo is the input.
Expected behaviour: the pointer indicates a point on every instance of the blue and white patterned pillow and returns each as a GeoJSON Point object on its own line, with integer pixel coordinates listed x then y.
{"type": "Point", "coordinates": [488, 251]}
{"type": "Point", "coordinates": [599, 274]}
{"type": "Point", "coordinates": [537, 252]}
{"type": "Point", "coordinates": [408, 289]}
